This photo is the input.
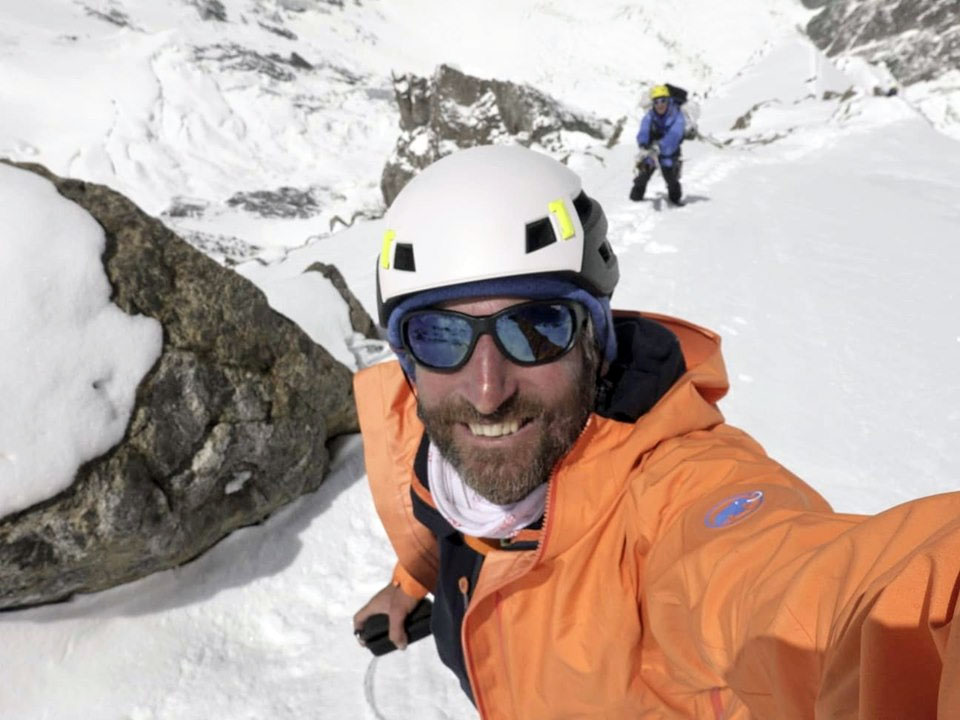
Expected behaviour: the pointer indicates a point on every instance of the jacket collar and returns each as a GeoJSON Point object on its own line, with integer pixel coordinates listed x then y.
{"type": "Point", "coordinates": [595, 473]}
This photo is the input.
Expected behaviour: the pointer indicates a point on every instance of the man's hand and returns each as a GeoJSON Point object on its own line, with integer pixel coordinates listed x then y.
{"type": "Point", "coordinates": [396, 605]}
{"type": "Point", "coordinates": [649, 157]}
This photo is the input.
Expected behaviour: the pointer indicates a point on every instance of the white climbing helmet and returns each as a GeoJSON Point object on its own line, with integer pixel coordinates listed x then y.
{"type": "Point", "coordinates": [488, 212]}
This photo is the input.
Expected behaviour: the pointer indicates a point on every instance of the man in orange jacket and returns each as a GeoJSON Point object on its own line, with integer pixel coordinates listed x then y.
{"type": "Point", "coordinates": [598, 542]}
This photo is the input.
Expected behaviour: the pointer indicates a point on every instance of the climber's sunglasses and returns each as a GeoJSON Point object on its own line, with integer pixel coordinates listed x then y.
{"type": "Point", "coordinates": [661, 101]}
{"type": "Point", "coordinates": [532, 333]}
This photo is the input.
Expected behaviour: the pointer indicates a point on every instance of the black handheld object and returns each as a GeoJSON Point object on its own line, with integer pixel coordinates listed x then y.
{"type": "Point", "coordinates": [376, 628]}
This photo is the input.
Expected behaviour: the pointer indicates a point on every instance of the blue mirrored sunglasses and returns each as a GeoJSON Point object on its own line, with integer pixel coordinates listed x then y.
{"type": "Point", "coordinates": [661, 101]}
{"type": "Point", "coordinates": [532, 333]}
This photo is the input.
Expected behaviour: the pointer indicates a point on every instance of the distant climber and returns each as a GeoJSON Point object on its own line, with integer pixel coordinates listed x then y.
{"type": "Point", "coordinates": [661, 134]}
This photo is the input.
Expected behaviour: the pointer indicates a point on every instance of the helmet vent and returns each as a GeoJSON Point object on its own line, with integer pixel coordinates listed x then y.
{"type": "Point", "coordinates": [606, 252]}
{"type": "Point", "coordinates": [583, 206]}
{"type": "Point", "coordinates": [403, 258]}
{"type": "Point", "coordinates": [539, 235]}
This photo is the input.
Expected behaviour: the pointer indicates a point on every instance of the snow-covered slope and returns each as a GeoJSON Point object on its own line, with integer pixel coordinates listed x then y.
{"type": "Point", "coordinates": [188, 115]}
{"type": "Point", "coordinates": [818, 239]}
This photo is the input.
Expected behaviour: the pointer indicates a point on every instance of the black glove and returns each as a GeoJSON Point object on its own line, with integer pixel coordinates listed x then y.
{"type": "Point", "coordinates": [376, 628]}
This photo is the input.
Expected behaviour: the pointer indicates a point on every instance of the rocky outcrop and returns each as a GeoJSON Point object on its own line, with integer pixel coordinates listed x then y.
{"type": "Point", "coordinates": [231, 57]}
{"type": "Point", "coordinates": [284, 202]}
{"type": "Point", "coordinates": [360, 319]}
{"type": "Point", "coordinates": [917, 40]}
{"type": "Point", "coordinates": [452, 110]}
{"type": "Point", "coordinates": [230, 424]}
{"type": "Point", "coordinates": [210, 9]}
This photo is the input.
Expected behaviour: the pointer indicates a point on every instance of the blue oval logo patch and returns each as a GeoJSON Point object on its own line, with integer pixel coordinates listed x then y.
{"type": "Point", "coordinates": [734, 510]}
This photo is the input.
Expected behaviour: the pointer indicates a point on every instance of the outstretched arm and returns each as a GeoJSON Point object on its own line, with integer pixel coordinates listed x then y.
{"type": "Point", "coordinates": [794, 611]}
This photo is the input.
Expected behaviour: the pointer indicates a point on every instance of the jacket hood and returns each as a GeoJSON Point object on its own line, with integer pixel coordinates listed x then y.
{"type": "Point", "coordinates": [648, 362]}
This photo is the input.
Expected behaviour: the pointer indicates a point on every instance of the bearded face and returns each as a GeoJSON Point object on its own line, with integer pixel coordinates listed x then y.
{"type": "Point", "coordinates": [504, 437]}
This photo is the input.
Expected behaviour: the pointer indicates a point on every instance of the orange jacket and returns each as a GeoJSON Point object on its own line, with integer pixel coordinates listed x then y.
{"type": "Point", "coordinates": [681, 573]}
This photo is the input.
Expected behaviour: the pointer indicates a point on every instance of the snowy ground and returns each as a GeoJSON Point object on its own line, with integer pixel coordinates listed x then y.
{"type": "Point", "coordinates": [819, 241]}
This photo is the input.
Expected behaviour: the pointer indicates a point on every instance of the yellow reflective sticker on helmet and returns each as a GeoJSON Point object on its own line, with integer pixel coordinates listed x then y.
{"type": "Point", "coordinates": [388, 237]}
{"type": "Point", "coordinates": [559, 210]}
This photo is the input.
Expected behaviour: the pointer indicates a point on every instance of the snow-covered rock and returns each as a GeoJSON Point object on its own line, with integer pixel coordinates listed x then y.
{"type": "Point", "coordinates": [230, 422]}
{"type": "Point", "coordinates": [914, 46]}
{"type": "Point", "coordinates": [918, 40]}
{"type": "Point", "coordinates": [454, 110]}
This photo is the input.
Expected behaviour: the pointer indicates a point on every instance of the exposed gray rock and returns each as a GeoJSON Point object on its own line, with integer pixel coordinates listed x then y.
{"type": "Point", "coordinates": [281, 31]}
{"type": "Point", "coordinates": [360, 320]}
{"type": "Point", "coordinates": [743, 122]}
{"type": "Point", "coordinates": [452, 110]}
{"type": "Point", "coordinates": [225, 249]}
{"type": "Point", "coordinates": [230, 57]}
{"type": "Point", "coordinates": [414, 99]}
{"type": "Point", "coordinates": [112, 16]}
{"type": "Point", "coordinates": [185, 207]}
{"type": "Point", "coordinates": [299, 6]}
{"type": "Point", "coordinates": [304, 5]}
{"type": "Point", "coordinates": [285, 202]}
{"type": "Point", "coordinates": [230, 424]}
{"type": "Point", "coordinates": [210, 9]}
{"type": "Point", "coordinates": [298, 61]}
{"type": "Point", "coordinates": [917, 40]}
{"type": "Point", "coordinates": [845, 95]}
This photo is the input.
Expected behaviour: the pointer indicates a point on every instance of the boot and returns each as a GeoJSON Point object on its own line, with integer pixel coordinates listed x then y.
{"type": "Point", "coordinates": [674, 190]}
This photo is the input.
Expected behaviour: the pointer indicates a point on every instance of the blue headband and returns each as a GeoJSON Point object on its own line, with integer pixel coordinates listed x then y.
{"type": "Point", "coordinates": [532, 287]}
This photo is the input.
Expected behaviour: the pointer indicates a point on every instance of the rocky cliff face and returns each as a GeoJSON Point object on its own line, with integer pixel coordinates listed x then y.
{"type": "Point", "coordinates": [452, 110]}
{"type": "Point", "coordinates": [917, 40]}
{"type": "Point", "coordinates": [230, 424]}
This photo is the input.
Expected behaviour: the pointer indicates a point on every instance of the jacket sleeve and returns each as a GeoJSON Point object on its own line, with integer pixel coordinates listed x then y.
{"type": "Point", "coordinates": [643, 134]}
{"type": "Point", "coordinates": [784, 607]}
{"type": "Point", "coordinates": [391, 434]}
{"type": "Point", "coordinates": [670, 143]}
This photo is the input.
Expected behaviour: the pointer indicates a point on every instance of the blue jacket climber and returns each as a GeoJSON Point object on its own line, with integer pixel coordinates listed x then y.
{"type": "Point", "coordinates": [665, 126]}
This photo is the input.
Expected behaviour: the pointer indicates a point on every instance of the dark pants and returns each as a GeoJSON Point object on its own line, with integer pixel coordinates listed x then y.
{"type": "Point", "coordinates": [671, 175]}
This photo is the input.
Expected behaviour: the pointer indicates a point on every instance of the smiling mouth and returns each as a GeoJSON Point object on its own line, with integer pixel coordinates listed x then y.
{"type": "Point", "coordinates": [495, 430]}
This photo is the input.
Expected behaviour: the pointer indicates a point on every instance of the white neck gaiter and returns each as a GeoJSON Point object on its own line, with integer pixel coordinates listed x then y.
{"type": "Point", "coordinates": [469, 512]}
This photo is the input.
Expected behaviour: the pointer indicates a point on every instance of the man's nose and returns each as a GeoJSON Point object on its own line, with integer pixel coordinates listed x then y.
{"type": "Point", "coordinates": [488, 379]}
